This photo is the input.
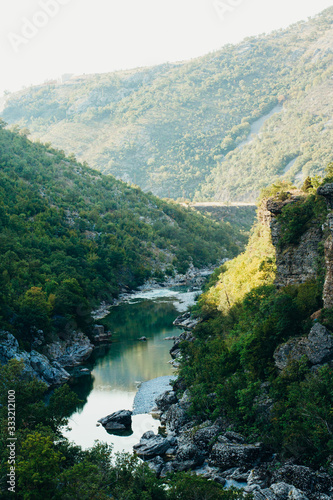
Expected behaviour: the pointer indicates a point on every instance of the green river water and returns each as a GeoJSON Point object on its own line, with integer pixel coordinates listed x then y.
{"type": "Point", "coordinates": [118, 369]}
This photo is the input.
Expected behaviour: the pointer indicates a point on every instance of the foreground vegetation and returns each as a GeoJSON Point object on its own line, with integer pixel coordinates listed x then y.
{"type": "Point", "coordinates": [48, 467]}
{"type": "Point", "coordinates": [230, 368]}
{"type": "Point", "coordinates": [178, 129]}
{"type": "Point", "coordinates": [71, 237]}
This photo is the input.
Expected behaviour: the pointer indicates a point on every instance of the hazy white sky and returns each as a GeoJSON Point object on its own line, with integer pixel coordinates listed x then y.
{"type": "Point", "coordinates": [42, 39]}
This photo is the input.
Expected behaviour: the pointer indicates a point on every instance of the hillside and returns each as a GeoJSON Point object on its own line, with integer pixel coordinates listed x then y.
{"type": "Point", "coordinates": [260, 359]}
{"type": "Point", "coordinates": [71, 237]}
{"type": "Point", "coordinates": [174, 129]}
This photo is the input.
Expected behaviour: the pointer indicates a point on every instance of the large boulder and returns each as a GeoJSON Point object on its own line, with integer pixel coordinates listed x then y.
{"type": "Point", "coordinates": [317, 347]}
{"type": "Point", "coordinates": [151, 445]}
{"type": "Point", "coordinates": [175, 418]}
{"type": "Point", "coordinates": [51, 373]}
{"type": "Point", "coordinates": [226, 455]}
{"type": "Point", "coordinates": [188, 457]}
{"type": "Point", "coordinates": [205, 436]}
{"type": "Point", "coordinates": [117, 421]}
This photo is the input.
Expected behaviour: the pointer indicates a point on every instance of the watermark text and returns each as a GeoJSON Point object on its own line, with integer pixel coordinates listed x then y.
{"type": "Point", "coordinates": [11, 481]}
{"type": "Point", "coordinates": [30, 27]}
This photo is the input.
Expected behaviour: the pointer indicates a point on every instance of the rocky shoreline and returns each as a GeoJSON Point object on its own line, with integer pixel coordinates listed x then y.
{"type": "Point", "coordinates": [53, 363]}
{"type": "Point", "coordinates": [214, 450]}
{"type": "Point", "coordinates": [194, 278]}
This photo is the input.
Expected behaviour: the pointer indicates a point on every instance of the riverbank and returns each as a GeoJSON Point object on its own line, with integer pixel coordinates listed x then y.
{"type": "Point", "coordinates": [148, 392]}
{"type": "Point", "coordinates": [194, 278]}
{"type": "Point", "coordinates": [215, 451]}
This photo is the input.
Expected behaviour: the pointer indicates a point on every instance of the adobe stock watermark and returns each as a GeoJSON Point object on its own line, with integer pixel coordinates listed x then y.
{"type": "Point", "coordinates": [31, 27]}
{"type": "Point", "coordinates": [225, 7]}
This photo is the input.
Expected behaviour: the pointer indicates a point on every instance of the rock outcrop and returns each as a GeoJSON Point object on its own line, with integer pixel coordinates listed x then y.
{"type": "Point", "coordinates": [317, 347]}
{"type": "Point", "coordinates": [328, 248]}
{"type": "Point", "coordinates": [297, 263]}
{"type": "Point", "coordinates": [186, 321]}
{"type": "Point", "coordinates": [71, 352]}
{"type": "Point", "coordinates": [35, 364]}
{"type": "Point", "coordinates": [165, 400]}
{"type": "Point", "coordinates": [222, 455]}
{"type": "Point", "coordinates": [327, 191]}
{"type": "Point", "coordinates": [175, 349]}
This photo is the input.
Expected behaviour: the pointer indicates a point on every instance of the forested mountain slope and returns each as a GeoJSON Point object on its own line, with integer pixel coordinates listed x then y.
{"type": "Point", "coordinates": [174, 129]}
{"type": "Point", "coordinates": [265, 331]}
{"type": "Point", "coordinates": [71, 237]}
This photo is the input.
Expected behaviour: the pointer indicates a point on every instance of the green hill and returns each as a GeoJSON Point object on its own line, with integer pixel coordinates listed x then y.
{"type": "Point", "coordinates": [71, 237]}
{"type": "Point", "coordinates": [174, 129]}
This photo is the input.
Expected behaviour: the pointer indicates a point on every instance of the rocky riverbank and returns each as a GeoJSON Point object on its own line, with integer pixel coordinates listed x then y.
{"type": "Point", "coordinates": [194, 279]}
{"type": "Point", "coordinates": [144, 401]}
{"type": "Point", "coordinates": [51, 362]}
{"type": "Point", "coordinates": [213, 449]}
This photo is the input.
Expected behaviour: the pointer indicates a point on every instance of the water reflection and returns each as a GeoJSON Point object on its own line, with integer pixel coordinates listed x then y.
{"type": "Point", "coordinates": [118, 369]}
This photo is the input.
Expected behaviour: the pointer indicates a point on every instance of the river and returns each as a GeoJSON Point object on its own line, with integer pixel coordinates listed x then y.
{"type": "Point", "coordinates": [118, 369]}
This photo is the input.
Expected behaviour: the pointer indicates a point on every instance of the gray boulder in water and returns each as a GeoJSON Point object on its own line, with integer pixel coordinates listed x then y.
{"type": "Point", "coordinates": [117, 421]}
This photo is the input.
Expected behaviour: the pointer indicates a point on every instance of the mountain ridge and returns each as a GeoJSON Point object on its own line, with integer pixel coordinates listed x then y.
{"type": "Point", "coordinates": [174, 129]}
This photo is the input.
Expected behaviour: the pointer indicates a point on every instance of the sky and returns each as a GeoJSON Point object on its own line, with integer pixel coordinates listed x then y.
{"type": "Point", "coordinates": [43, 39]}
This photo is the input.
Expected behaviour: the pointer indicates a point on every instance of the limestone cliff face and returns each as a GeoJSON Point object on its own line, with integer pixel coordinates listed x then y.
{"type": "Point", "coordinates": [295, 264]}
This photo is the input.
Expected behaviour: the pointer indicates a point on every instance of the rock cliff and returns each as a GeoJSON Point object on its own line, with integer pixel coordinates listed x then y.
{"type": "Point", "coordinates": [297, 263]}
{"type": "Point", "coordinates": [50, 366]}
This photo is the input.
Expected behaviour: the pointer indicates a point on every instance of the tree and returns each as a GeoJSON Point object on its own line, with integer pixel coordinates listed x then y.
{"type": "Point", "coordinates": [38, 468]}
{"type": "Point", "coordinates": [34, 312]}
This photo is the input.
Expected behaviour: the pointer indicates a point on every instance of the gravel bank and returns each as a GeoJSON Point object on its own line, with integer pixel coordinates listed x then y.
{"type": "Point", "coordinates": [144, 400]}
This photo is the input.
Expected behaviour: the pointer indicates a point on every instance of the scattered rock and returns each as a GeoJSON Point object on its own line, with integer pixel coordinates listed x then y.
{"type": "Point", "coordinates": [304, 479]}
{"type": "Point", "coordinates": [279, 491]}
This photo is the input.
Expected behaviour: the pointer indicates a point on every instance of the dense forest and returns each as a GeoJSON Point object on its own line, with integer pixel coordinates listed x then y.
{"type": "Point", "coordinates": [179, 130]}
{"type": "Point", "coordinates": [71, 237]}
